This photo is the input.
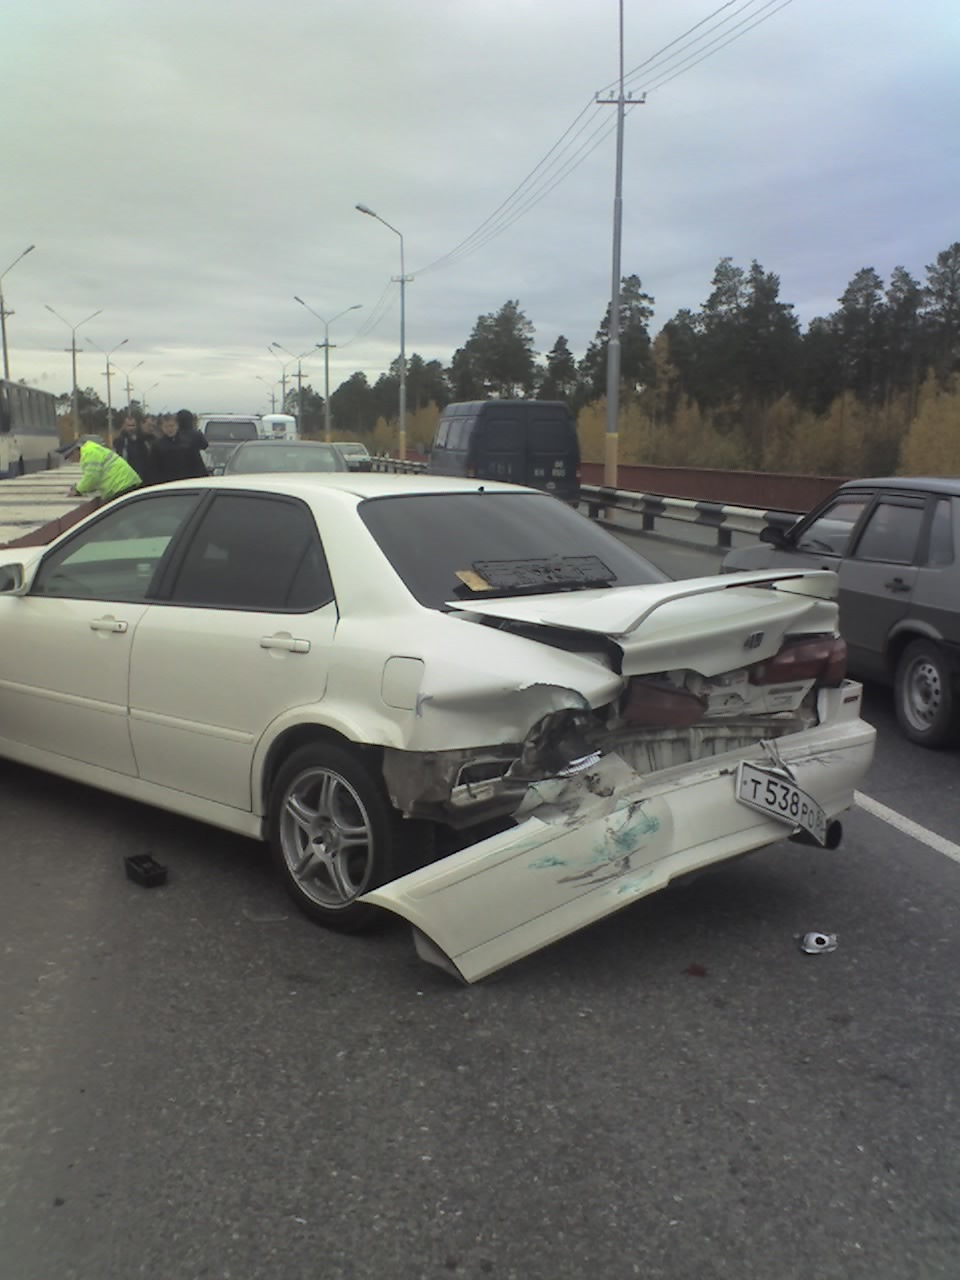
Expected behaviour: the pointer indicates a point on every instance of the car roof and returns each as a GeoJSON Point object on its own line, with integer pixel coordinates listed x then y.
{"type": "Point", "coordinates": [910, 484]}
{"type": "Point", "coordinates": [271, 442]}
{"type": "Point", "coordinates": [362, 484]}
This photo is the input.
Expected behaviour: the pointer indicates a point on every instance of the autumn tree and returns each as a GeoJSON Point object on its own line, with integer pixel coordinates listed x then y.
{"type": "Point", "coordinates": [932, 445]}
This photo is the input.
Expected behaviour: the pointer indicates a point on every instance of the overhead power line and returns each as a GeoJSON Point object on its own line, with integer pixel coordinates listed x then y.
{"type": "Point", "coordinates": [572, 149]}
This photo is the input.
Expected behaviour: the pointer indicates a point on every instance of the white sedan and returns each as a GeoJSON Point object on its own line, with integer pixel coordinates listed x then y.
{"type": "Point", "coordinates": [355, 666]}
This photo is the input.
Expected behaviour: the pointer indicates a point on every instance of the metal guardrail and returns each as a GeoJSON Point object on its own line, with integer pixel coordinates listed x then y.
{"type": "Point", "coordinates": [651, 507]}
{"type": "Point", "coordinates": [382, 462]}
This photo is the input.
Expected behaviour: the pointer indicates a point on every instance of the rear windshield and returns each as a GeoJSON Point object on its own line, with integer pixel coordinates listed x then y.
{"type": "Point", "coordinates": [229, 432]}
{"type": "Point", "coordinates": [278, 457]}
{"type": "Point", "coordinates": [435, 541]}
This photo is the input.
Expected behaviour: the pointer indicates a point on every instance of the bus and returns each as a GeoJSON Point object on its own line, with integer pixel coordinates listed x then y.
{"type": "Point", "coordinates": [29, 438]}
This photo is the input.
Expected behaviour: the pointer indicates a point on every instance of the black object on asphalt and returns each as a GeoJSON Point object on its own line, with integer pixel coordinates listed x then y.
{"type": "Point", "coordinates": [144, 869]}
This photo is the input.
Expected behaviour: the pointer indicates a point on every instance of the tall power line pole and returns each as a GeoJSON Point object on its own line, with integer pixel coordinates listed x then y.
{"type": "Point", "coordinates": [613, 337]}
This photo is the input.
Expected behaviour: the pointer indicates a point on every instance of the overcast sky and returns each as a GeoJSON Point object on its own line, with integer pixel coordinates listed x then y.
{"type": "Point", "coordinates": [188, 167]}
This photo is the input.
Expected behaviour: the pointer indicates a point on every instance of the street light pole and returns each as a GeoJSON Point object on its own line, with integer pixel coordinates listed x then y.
{"type": "Point", "coordinates": [126, 374]}
{"type": "Point", "coordinates": [283, 376]}
{"type": "Point", "coordinates": [270, 391]}
{"type": "Point", "coordinates": [403, 278]}
{"type": "Point", "coordinates": [325, 344]}
{"type": "Point", "coordinates": [108, 354]}
{"type": "Point", "coordinates": [298, 360]}
{"type": "Point", "coordinates": [73, 352]}
{"type": "Point", "coordinates": [4, 313]}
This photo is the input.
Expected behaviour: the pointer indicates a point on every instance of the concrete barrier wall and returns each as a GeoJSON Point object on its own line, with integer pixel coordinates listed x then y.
{"type": "Point", "coordinates": [35, 508]}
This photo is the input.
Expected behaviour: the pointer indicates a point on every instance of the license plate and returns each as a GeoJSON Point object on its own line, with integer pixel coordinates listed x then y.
{"type": "Point", "coordinates": [773, 794]}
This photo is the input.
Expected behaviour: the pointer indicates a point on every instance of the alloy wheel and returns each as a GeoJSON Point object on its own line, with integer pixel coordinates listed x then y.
{"type": "Point", "coordinates": [326, 835]}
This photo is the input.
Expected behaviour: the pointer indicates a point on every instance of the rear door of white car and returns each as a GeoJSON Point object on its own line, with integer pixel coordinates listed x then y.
{"type": "Point", "coordinates": [65, 647]}
{"type": "Point", "coordinates": [242, 635]}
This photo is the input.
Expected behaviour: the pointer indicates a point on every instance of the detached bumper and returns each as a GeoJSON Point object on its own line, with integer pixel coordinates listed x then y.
{"type": "Point", "coordinates": [588, 845]}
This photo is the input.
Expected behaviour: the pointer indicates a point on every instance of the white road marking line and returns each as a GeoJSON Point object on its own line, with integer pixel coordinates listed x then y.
{"type": "Point", "coordinates": [909, 828]}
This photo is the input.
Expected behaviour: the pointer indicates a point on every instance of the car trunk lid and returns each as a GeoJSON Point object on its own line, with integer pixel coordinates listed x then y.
{"type": "Point", "coordinates": [660, 626]}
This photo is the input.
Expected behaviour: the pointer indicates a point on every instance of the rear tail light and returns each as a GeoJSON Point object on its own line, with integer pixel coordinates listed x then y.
{"type": "Point", "coordinates": [662, 708]}
{"type": "Point", "coordinates": [823, 659]}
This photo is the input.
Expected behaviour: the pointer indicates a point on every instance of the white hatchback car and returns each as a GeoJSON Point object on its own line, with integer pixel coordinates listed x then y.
{"type": "Point", "coordinates": [347, 665]}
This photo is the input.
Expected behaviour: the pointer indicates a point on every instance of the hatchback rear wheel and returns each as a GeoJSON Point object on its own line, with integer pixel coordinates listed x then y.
{"type": "Point", "coordinates": [924, 695]}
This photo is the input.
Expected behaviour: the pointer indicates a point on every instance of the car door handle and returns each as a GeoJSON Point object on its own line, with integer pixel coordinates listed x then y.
{"type": "Point", "coordinates": [108, 624]}
{"type": "Point", "coordinates": [897, 584]}
{"type": "Point", "coordinates": [289, 643]}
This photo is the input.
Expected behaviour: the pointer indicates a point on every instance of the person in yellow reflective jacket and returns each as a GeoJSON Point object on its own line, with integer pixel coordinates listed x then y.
{"type": "Point", "coordinates": [103, 473]}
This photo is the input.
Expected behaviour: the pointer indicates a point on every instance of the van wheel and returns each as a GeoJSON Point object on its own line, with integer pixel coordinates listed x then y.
{"type": "Point", "coordinates": [924, 695]}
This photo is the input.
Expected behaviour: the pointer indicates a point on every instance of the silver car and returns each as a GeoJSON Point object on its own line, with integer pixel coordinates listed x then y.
{"type": "Point", "coordinates": [270, 456]}
{"type": "Point", "coordinates": [895, 544]}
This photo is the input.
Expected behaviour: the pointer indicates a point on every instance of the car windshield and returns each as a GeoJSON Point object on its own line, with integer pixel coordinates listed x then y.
{"type": "Point", "coordinates": [473, 545]}
{"type": "Point", "coordinates": [252, 458]}
{"type": "Point", "coordinates": [229, 432]}
{"type": "Point", "coordinates": [352, 447]}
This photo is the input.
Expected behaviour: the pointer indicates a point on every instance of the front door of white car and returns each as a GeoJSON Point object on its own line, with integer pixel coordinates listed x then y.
{"type": "Point", "coordinates": [242, 635]}
{"type": "Point", "coordinates": [66, 644]}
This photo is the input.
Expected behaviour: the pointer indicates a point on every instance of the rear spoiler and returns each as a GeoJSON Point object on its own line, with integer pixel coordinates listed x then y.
{"type": "Point", "coordinates": [819, 583]}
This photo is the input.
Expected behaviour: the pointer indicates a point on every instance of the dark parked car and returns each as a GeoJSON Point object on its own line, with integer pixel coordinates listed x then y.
{"type": "Point", "coordinates": [259, 456]}
{"type": "Point", "coordinates": [356, 455]}
{"type": "Point", "coordinates": [895, 544]}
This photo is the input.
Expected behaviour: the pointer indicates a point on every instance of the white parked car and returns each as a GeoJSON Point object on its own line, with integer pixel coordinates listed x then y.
{"type": "Point", "coordinates": [348, 665]}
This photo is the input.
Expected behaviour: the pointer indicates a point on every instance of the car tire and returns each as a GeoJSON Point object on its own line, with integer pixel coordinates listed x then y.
{"type": "Point", "coordinates": [924, 695]}
{"type": "Point", "coordinates": [333, 834]}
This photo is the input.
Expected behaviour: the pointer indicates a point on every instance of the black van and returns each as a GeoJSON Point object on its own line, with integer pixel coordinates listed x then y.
{"type": "Point", "coordinates": [532, 442]}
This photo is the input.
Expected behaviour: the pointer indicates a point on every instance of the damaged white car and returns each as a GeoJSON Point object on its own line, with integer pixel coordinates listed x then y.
{"type": "Point", "coordinates": [460, 702]}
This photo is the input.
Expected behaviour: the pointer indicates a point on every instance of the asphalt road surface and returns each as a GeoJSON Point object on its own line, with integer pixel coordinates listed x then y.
{"type": "Point", "coordinates": [197, 1082]}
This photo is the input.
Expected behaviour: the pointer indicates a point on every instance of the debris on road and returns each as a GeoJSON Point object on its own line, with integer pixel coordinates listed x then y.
{"type": "Point", "coordinates": [814, 943]}
{"type": "Point", "coordinates": [144, 869]}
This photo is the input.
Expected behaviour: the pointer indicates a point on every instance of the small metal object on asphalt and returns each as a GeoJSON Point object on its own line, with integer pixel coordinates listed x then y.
{"type": "Point", "coordinates": [144, 869]}
{"type": "Point", "coordinates": [814, 943]}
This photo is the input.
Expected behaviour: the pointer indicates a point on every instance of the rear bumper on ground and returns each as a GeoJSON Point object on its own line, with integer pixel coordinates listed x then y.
{"type": "Point", "coordinates": [588, 845]}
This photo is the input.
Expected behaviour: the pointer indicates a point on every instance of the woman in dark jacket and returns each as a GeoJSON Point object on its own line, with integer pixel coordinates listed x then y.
{"type": "Point", "coordinates": [173, 458]}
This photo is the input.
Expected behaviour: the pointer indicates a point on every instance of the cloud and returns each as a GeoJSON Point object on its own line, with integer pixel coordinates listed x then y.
{"type": "Point", "coordinates": [188, 168]}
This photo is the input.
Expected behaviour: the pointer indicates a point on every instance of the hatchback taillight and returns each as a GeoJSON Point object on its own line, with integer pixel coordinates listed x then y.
{"type": "Point", "coordinates": [823, 659]}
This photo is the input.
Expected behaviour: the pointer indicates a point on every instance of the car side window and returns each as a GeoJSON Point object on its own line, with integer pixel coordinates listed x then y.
{"type": "Point", "coordinates": [117, 557]}
{"type": "Point", "coordinates": [261, 554]}
{"type": "Point", "coordinates": [940, 550]}
{"type": "Point", "coordinates": [891, 533]}
{"type": "Point", "coordinates": [830, 531]}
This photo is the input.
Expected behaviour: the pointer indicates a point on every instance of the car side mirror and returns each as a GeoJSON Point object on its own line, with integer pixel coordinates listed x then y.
{"type": "Point", "coordinates": [12, 580]}
{"type": "Point", "coordinates": [773, 534]}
